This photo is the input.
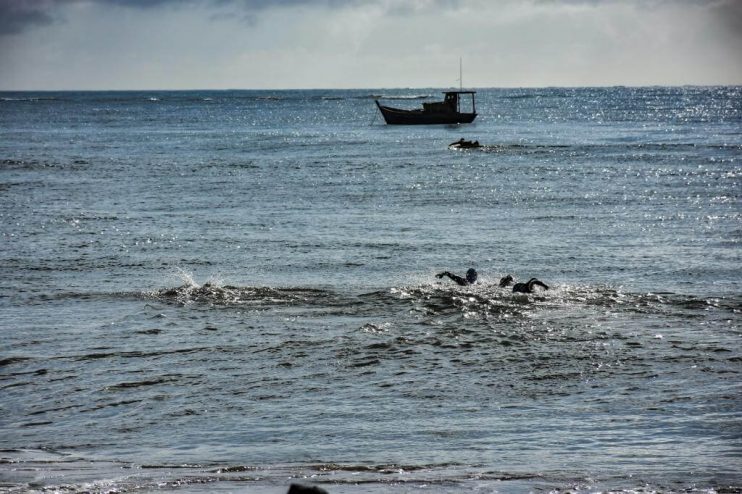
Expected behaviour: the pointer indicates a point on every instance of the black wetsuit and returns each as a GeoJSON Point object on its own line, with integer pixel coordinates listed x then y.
{"type": "Point", "coordinates": [458, 279]}
{"type": "Point", "coordinates": [527, 287]}
{"type": "Point", "coordinates": [471, 277]}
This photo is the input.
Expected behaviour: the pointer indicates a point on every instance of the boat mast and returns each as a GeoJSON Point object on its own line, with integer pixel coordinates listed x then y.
{"type": "Point", "coordinates": [461, 87]}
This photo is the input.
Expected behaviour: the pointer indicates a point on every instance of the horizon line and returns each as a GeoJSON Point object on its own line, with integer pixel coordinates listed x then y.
{"type": "Point", "coordinates": [399, 88]}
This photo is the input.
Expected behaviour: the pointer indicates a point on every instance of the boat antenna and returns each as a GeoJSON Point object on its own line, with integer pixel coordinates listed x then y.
{"type": "Point", "coordinates": [461, 78]}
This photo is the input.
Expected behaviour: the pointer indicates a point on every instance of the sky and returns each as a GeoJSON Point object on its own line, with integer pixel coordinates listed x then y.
{"type": "Point", "coordinates": [293, 44]}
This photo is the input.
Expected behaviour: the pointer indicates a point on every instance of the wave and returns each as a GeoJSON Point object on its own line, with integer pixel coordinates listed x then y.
{"type": "Point", "coordinates": [523, 96]}
{"type": "Point", "coordinates": [11, 99]}
{"type": "Point", "coordinates": [72, 474]}
{"type": "Point", "coordinates": [515, 148]}
{"type": "Point", "coordinates": [227, 295]}
{"type": "Point", "coordinates": [490, 300]}
{"type": "Point", "coordinates": [483, 300]}
{"type": "Point", "coordinates": [632, 150]}
{"type": "Point", "coordinates": [169, 378]}
{"type": "Point", "coordinates": [30, 164]}
{"type": "Point", "coordinates": [13, 360]}
{"type": "Point", "coordinates": [395, 96]}
{"type": "Point", "coordinates": [76, 163]}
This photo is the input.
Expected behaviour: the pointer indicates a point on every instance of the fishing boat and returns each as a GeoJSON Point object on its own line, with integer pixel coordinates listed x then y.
{"type": "Point", "coordinates": [447, 111]}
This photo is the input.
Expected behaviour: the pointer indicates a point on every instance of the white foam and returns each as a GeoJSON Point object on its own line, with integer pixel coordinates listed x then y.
{"type": "Point", "coordinates": [186, 278]}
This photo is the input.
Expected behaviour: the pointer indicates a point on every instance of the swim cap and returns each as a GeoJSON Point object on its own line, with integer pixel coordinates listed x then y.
{"type": "Point", "coordinates": [471, 275]}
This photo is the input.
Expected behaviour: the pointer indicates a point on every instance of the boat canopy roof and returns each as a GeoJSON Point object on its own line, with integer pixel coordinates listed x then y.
{"type": "Point", "coordinates": [459, 92]}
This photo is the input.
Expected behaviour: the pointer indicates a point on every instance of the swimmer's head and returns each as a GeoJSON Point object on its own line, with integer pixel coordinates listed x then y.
{"type": "Point", "coordinates": [471, 275]}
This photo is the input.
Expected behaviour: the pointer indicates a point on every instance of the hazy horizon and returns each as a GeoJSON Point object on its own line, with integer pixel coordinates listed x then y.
{"type": "Point", "coordinates": [475, 88]}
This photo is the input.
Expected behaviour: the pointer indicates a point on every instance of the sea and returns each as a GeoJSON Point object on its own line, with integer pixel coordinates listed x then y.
{"type": "Point", "coordinates": [234, 291]}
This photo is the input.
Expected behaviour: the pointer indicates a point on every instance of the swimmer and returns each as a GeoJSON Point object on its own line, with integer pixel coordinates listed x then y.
{"type": "Point", "coordinates": [526, 287]}
{"type": "Point", "coordinates": [462, 144]}
{"type": "Point", "coordinates": [471, 277]}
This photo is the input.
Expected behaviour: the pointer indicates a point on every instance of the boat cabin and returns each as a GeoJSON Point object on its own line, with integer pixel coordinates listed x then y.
{"type": "Point", "coordinates": [451, 103]}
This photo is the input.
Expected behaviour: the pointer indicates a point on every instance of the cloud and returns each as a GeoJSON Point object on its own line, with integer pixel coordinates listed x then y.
{"type": "Point", "coordinates": [19, 15]}
{"type": "Point", "coordinates": [130, 44]}
{"type": "Point", "coordinates": [728, 13]}
{"type": "Point", "coordinates": [15, 16]}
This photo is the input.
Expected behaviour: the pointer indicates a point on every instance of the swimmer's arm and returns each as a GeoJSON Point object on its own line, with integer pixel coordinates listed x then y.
{"type": "Point", "coordinates": [458, 279]}
{"type": "Point", "coordinates": [541, 284]}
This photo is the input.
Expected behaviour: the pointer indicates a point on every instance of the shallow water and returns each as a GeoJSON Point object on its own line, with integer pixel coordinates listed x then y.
{"type": "Point", "coordinates": [230, 291]}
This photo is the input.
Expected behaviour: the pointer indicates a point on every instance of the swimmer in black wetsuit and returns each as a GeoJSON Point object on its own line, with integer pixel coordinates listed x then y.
{"type": "Point", "coordinates": [526, 287]}
{"type": "Point", "coordinates": [471, 277]}
{"type": "Point", "coordinates": [464, 144]}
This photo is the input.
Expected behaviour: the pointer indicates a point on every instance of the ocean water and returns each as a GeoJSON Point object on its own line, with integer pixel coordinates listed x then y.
{"type": "Point", "coordinates": [231, 291]}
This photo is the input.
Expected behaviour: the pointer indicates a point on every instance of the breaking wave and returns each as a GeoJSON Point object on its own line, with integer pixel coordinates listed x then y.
{"type": "Point", "coordinates": [482, 300]}
{"type": "Point", "coordinates": [234, 295]}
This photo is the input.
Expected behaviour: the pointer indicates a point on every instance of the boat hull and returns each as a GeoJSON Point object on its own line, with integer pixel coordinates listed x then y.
{"type": "Point", "coordinates": [396, 116]}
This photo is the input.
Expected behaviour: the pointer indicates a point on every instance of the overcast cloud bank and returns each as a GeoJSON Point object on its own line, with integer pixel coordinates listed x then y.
{"type": "Point", "coordinates": [169, 44]}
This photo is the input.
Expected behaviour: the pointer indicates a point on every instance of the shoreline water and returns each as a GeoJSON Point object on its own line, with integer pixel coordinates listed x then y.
{"type": "Point", "coordinates": [79, 475]}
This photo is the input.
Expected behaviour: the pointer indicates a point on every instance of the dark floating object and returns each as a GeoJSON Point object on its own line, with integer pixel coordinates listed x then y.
{"type": "Point", "coordinates": [447, 111]}
{"type": "Point", "coordinates": [304, 489]}
{"type": "Point", "coordinates": [463, 144]}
